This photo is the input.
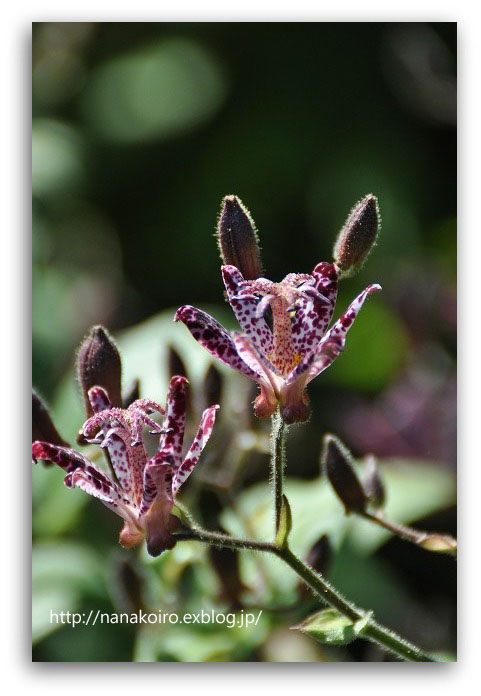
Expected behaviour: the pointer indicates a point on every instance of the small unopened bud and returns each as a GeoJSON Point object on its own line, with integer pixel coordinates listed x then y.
{"type": "Point", "coordinates": [358, 236]}
{"type": "Point", "coordinates": [320, 554]}
{"type": "Point", "coordinates": [439, 543]}
{"type": "Point", "coordinates": [338, 464]}
{"type": "Point", "coordinates": [238, 239]}
{"type": "Point", "coordinates": [131, 394]}
{"type": "Point", "coordinates": [176, 365]}
{"type": "Point", "coordinates": [373, 484]}
{"type": "Point", "coordinates": [212, 387]}
{"type": "Point", "coordinates": [43, 428]}
{"type": "Point", "coordinates": [98, 364]}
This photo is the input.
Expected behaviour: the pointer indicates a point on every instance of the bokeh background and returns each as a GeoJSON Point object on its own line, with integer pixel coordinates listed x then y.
{"type": "Point", "coordinates": [139, 130]}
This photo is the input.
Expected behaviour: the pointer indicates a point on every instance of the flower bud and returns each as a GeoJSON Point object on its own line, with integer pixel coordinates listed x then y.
{"type": "Point", "coordinates": [358, 236]}
{"type": "Point", "coordinates": [238, 239]}
{"type": "Point", "coordinates": [176, 365]}
{"type": "Point", "coordinates": [320, 554]}
{"type": "Point", "coordinates": [440, 543]}
{"type": "Point", "coordinates": [43, 428]}
{"type": "Point", "coordinates": [338, 464]}
{"type": "Point", "coordinates": [212, 387]}
{"type": "Point", "coordinates": [132, 393]}
{"type": "Point", "coordinates": [373, 484]}
{"type": "Point", "coordinates": [98, 364]}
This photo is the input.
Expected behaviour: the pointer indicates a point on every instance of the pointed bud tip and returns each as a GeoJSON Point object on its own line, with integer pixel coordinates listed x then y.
{"type": "Point", "coordinates": [99, 364]}
{"type": "Point", "coordinates": [238, 239]}
{"type": "Point", "coordinates": [358, 235]}
{"type": "Point", "coordinates": [373, 483]}
{"type": "Point", "coordinates": [43, 427]}
{"type": "Point", "coordinates": [338, 465]}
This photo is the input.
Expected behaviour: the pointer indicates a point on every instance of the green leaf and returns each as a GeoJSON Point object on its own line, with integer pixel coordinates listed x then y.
{"type": "Point", "coordinates": [285, 523]}
{"type": "Point", "coordinates": [61, 574]}
{"type": "Point", "coordinates": [415, 489]}
{"type": "Point", "coordinates": [329, 627]}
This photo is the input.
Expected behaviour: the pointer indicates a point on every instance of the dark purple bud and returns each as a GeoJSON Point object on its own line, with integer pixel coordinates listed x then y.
{"type": "Point", "coordinates": [238, 239]}
{"type": "Point", "coordinates": [98, 364]}
{"type": "Point", "coordinates": [176, 365]}
{"type": "Point", "coordinates": [373, 484]}
{"type": "Point", "coordinates": [320, 554]}
{"type": "Point", "coordinates": [131, 394]}
{"type": "Point", "coordinates": [126, 584]}
{"type": "Point", "coordinates": [43, 428]}
{"type": "Point", "coordinates": [212, 387]}
{"type": "Point", "coordinates": [338, 464]}
{"type": "Point", "coordinates": [226, 565]}
{"type": "Point", "coordinates": [358, 236]}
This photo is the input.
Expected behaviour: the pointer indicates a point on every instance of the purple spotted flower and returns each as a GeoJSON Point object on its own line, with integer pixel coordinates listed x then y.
{"type": "Point", "coordinates": [144, 490]}
{"type": "Point", "coordinates": [284, 359]}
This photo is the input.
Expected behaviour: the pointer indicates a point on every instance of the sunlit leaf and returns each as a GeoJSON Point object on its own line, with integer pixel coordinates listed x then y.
{"type": "Point", "coordinates": [155, 92]}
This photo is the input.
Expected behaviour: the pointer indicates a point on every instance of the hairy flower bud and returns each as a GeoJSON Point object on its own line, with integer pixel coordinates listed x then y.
{"type": "Point", "coordinates": [98, 364]}
{"type": "Point", "coordinates": [43, 428]}
{"type": "Point", "coordinates": [358, 236]}
{"type": "Point", "coordinates": [238, 239]}
{"type": "Point", "coordinates": [338, 464]}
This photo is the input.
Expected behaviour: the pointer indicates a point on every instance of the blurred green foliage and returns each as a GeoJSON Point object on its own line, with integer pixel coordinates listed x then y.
{"type": "Point", "coordinates": [139, 129]}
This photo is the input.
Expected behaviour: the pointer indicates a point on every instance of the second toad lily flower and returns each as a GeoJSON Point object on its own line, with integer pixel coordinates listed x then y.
{"type": "Point", "coordinates": [144, 491]}
{"type": "Point", "coordinates": [284, 359]}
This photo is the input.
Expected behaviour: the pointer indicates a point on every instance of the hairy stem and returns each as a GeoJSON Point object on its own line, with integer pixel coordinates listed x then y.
{"type": "Point", "coordinates": [224, 540]}
{"type": "Point", "coordinates": [278, 458]}
{"type": "Point", "coordinates": [373, 630]}
{"type": "Point", "coordinates": [432, 541]}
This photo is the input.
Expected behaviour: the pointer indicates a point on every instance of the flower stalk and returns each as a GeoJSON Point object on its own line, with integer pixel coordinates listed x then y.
{"type": "Point", "coordinates": [372, 630]}
{"type": "Point", "coordinates": [278, 460]}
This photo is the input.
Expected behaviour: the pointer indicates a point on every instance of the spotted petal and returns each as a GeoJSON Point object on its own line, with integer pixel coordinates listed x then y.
{"type": "Point", "coordinates": [95, 483]}
{"type": "Point", "coordinates": [245, 310]}
{"type": "Point", "coordinates": [312, 314]}
{"type": "Point", "coordinates": [170, 444]}
{"type": "Point", "coordinates": [158, 477]}
{"type": "Point", "coordinates": [66, 458]}
{"type": "Point", "coordinates": [327, 351]}
{"type": "Point", "coordinates": [195, 450]}
{"type": "Point", "coordinates": [212, 335]}
{"type": "Point", "coordinates": [99, 399]}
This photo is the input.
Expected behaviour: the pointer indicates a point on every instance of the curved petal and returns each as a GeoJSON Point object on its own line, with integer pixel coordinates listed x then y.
{"type": "Point", "coordinates": [66, 458]}
{"type": "Point", "coordinates": [99, 399]}
{"type": "Point", "coordinates": [340, 328]}
{"type": "Point", "coordinates": [96, 484]}
{"type": "Point", "coordinates": [195, 450]}
{"type": "Point", "coordinates": [313, 315]}
{"type": "Point", "coordinates": [212, 335]}
{"type": "Point", "coordinates": [245, 310]}
{"type": "Point", "coordinates": [170, 444]}
{"type": "Point", "coordinates": [333, 342]}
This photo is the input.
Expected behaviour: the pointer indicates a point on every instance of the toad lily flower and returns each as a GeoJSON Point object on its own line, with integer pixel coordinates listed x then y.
{"type": "Point", "coordinates": [299, 346]}
{"type": "Point", "coordinates": [143, 490]}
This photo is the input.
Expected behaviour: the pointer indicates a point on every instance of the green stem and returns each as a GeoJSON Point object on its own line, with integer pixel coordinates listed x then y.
{"type": "Point", "coordinates": [432, 541]}
{"type": "Point", "coordinates": [224, 540]}
{"type": "Point", "coordinates": [278, 457]}
{"type": "Point", "coordinates": [373, 630]}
